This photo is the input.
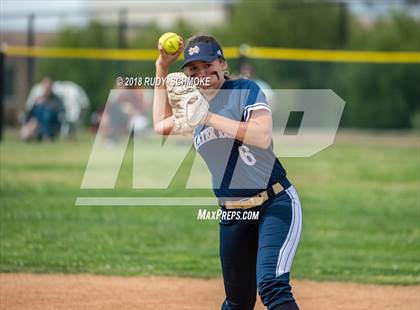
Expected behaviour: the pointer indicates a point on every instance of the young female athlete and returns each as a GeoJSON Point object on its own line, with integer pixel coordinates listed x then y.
{"type": "Point", "coordinates": [236, 143]}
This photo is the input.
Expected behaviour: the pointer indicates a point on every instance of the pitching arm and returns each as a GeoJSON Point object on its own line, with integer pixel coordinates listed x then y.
{"type": "Point", "coordinates": [163, 122]}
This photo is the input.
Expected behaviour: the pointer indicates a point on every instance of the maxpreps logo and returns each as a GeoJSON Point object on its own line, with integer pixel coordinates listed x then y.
{"type": "Point", "coordinates": [160, 167]}
{"type": "Point", "coordinates": [193, 50]}
{"type": "Point", "coordinates": [227, 215]}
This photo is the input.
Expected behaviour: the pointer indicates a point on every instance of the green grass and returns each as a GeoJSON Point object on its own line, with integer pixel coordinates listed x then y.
{"type": "Point", "coordinates": [360, 201]}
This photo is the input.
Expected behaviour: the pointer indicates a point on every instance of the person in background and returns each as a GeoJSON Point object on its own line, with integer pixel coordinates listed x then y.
{"type": "Point", "coordinates": [125, 112]}
{"type": "Point", "coordinates": [43, 120]}
{"type": "Point", "coordinates": [75, 101]}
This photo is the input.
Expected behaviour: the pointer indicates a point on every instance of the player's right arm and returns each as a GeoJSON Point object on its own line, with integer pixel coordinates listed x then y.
{"type": "Point", "coordinates": [163, 121]}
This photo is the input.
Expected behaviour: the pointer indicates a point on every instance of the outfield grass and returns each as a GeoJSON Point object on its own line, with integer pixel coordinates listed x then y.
{"type": "Point", "coordinates": [360, 202]}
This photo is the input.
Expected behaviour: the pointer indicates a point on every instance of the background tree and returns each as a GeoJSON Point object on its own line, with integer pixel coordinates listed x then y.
{"type": "Point", "coordinates": [377, 95]}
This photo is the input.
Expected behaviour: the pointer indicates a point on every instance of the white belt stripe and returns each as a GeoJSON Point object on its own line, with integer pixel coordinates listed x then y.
{"type": "Point", "coordinates": [288, 250]}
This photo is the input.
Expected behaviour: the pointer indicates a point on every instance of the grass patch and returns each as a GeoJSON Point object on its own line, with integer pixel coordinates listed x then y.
{"type": "Point", "coordinates": [360, 205]}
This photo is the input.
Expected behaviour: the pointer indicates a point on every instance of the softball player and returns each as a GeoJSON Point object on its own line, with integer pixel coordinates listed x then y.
{"type": "Point", "coordinates": [235, 141]}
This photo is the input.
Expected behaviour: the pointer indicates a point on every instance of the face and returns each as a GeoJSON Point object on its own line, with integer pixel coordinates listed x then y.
{"type": "Point", "coordinates": [47, 85]}
{"type": "Point", "coordinates": [212, 70]}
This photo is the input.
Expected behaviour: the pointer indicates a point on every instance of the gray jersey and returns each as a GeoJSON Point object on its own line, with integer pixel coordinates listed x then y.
{"type": "Point", "coordinates": [238, 169]}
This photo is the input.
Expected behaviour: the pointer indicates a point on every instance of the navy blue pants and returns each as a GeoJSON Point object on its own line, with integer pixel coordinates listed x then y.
{"type": "Point", "coordinates": [48, 120]}
{"type": "Point", "coordinates": [258, 254]}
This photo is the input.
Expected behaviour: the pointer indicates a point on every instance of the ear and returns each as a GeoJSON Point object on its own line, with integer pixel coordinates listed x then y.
{"type": "Point", "coordinates": [224, 64]}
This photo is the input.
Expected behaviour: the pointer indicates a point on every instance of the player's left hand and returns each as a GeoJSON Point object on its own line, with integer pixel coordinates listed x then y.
{"type": "Point", "coordinates": [189, 106]}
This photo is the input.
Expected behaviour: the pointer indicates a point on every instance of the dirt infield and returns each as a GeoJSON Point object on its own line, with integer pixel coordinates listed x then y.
{"type": "Point", "coordinates": [36, 292]}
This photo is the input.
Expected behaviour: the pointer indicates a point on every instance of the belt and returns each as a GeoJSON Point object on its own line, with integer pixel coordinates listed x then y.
{"type": "Point", "coordinates": [259, 199]}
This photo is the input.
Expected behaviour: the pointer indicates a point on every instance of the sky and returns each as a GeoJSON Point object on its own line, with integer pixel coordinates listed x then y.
{"type": "Point", "coordinates": [25, 7]}
{"type": "Point", "coordinates": [74, 12]}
